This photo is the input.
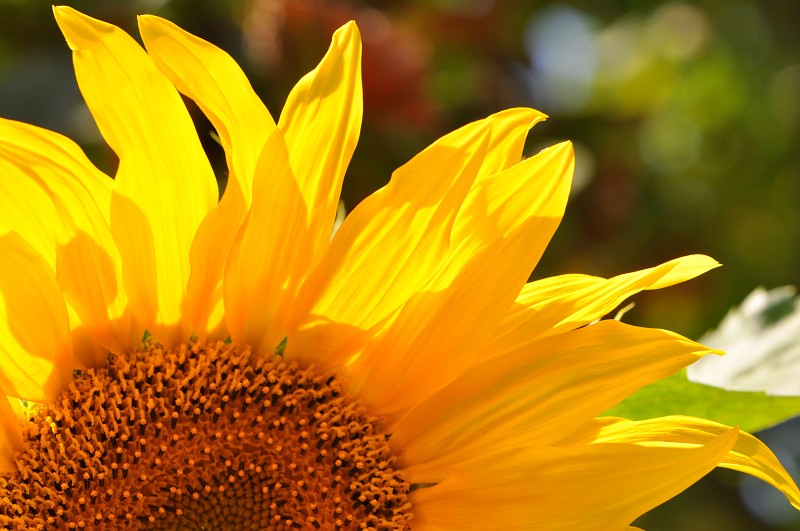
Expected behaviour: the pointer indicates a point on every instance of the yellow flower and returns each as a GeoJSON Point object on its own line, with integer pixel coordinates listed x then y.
{"type": "Point", "coordinates": [400, 375]}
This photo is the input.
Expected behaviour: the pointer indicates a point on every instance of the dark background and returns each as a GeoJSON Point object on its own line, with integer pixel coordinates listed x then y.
{"type": "Point", "coordinates": [684, 117]}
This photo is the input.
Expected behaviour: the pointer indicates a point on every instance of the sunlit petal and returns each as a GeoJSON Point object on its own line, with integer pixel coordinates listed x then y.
{"type": "Point", "coordinates": [36, 347]}
{"type": "Point", "coordinates": [748, 455]}
{"type": "Point", "coordinates": [510, 217]}
{"type": "Point", "coordinates": [395, 241]}
{"type": "Point", "coordinates": [536, 393]}
{"type": "Point", "coordinates": [321, 122]}
{"type": "Point", "coordinates": [566, 302]}
{"type": "Point", "coordinates": [260, 276]}
{"type": "Point", "coordinates": [164, 186]}
{"type": "Point", "coordinates": [594, 487]}
{"type": "Point", "coordinates": [387, 248]}
{"type": "Point", "coordinates": [87, 262]}
{"type": "Point", "coordinates": [10, 434]}
{"type": "Point", "coordinates": [212, 78]}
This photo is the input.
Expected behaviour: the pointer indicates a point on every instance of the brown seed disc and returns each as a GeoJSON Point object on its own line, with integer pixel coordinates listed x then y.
{"type": "Point", "coordinates": [204, 436]}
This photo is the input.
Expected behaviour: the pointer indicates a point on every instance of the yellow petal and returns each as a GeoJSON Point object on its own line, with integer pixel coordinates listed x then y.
{"type": "Point", "coordinates": [318, 130]}
{"type": "Point", "coordinates": [566, 302]}
{"type": "Point", "coordinates": [212, 78]}
{"type": "Point", "coordinates": [387, 248]}
{"type": "Point", "coordinates": [321, 122]}
{"type": "Point", "coordinates": [592, 487]}
{"type": "Point", "coordinates": [536, 394]}
{"type": "Point", "coordinates": [88, 264]}
{"type": "Point", "coordinates": [35, 345]}
{"type": "Point", "coordinates": [10, 434]}
{"type": "Point", "coordinates": [261, 277]}
{"type": "Point", "coordinates": [393, 243]}
{"type": "Point", "coordinates": [164, 186]}
{"type": "Point", "coordinates": [26, 209]}
{"type": "Point", "coordinates": [301, 170]}
{"type": "Point", "coordinates": [87, 351]}
{"type": "Point", "coordinates": [509, 131]}
{"type": "Point", "coordinates": [509, 218]}
{"type": "Point", "coordinates": [748, 455]}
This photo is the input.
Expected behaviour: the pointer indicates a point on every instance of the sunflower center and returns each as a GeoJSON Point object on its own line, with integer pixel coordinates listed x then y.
{"type": "Point", "coordinates": [204, 437]}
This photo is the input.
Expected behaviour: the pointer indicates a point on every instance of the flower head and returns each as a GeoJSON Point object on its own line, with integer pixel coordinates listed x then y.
{"type": "Point", "coordinates": [400, 375]}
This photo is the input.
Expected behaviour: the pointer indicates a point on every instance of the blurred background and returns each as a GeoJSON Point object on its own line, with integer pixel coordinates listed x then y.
{"type": "Point", "coordinates": [684, 116]}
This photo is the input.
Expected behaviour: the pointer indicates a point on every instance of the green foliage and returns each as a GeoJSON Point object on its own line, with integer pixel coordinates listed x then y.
{"type": "Point", "coordinates": [676, 395]}
{"type": "Point", "coordinates": [754, 386]}
{"type": "Point", "coordinates": [760, 340]}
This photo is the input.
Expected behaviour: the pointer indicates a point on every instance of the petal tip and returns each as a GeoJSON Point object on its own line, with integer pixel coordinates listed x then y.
{"type": "Point", "coordinates": [78, 28]}
{"type": "Point", "coordinates": [535, 115]}
{"type": "Point", "coordinates": [144, 20]}
{"type": "Point", "coordinates": [150, 23]}
{"type": "Point", "coordinates": [563, 150]}
{"type": "Point", "coordinates": [701, 260]}
{"type": "Point", "coordinates": [683, 269]}
{"type": "Point", "coordinates": [347, 34]}
{"type": "Point", "coordinates": [348, 27]}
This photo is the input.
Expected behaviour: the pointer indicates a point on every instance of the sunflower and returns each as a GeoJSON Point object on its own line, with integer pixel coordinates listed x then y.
{"type": "Point", "coordinates": [177, 361]}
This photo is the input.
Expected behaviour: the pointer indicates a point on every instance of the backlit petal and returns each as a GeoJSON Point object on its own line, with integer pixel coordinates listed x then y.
{"type": "Point", "coordinates": [748, 455]}
{"type": "Point", "coordinates": [27, 210]}
{"type": "Point", "coordinates": [535, 394]}
{"type": "Point", "coordinates": [10, 434]}
{"type": "Point", "coordinates": [164, 186]}
{"type": "Point", "coordinates": [509, 132]}
{"type": "Point", "coordinates": [88, 264]}
{"type": "Point", "coordinates": [320, 123]}
{"type": "Point", "coordinates": [510, 218]}
{"type": "Point", "coordinates": [260, 275]}
{"type": "Point", "coordinates": [212, 78]}
{"type": "Point", "coordinates": [592, 487]}
{"type": "Point", "coordinates": [296, 193]}
{"type": "Point", "coordinates": [392, 244]}
{"type": "Point", "coordinates": [387, 248]}
{"type": "Point", "coordinates": [566, 302]}
{"type": "Point", "coordinates": [35, 342]}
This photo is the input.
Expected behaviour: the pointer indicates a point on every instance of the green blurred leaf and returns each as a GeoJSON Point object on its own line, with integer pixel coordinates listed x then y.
{"type": "Point", "coordinates": [762, 340]}
{"type": "Point", "coordinates": [676, 395]}
{"type": "Point", "coordinates": [763, 360]}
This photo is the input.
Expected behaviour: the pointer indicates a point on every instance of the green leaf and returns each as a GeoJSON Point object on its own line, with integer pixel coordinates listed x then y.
{"type": "Point", "coordinates": [762, 341]}
{"type": "Point", "coordinates": [754, 386]}
{"type": "Point", "coordinates": [676, 395]}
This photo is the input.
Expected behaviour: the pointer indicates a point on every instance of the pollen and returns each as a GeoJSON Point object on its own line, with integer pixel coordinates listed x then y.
{"type": "Point", "coordinates": [204, 436]}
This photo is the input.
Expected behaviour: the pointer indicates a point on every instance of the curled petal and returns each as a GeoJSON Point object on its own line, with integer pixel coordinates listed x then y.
{"type": "Point", "coordinates": [748, 454]}
{"type": "Point", "coordinates": [566, 302]}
